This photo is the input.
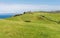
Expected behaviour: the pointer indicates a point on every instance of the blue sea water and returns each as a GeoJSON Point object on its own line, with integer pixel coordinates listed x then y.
{"type": "Point", "coordinates": [5, 16]}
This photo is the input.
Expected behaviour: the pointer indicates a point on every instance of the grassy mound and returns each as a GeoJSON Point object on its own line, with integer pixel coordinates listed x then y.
{"type": "Point", "coordinates": [35, 25]}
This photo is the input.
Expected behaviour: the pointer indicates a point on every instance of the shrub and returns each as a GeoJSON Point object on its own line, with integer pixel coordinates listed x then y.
{"type": "Point", "coordinates": [27, 21]}
{"type": "Point", "coordinates": [17, 15]}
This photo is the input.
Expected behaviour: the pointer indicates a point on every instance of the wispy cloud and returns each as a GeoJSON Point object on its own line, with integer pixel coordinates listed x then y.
{"type": "Point", "coordinates": [16, 8]}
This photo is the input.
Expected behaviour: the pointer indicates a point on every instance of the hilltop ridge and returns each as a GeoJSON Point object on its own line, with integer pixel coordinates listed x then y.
{"type": "Point", "coordinates": [31, 25]}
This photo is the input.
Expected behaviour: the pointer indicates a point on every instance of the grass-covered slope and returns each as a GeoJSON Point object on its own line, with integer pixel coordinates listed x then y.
{"type": "Point", "coordinates": [34, 25]}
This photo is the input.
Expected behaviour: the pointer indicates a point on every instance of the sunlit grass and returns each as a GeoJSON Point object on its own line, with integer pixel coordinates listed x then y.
{"type": "Point", "coordinates": [16, 27]}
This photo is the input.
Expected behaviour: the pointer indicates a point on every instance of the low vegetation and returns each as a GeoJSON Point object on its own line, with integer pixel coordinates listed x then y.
{"type": "Point", "coordinates": [34, 25]}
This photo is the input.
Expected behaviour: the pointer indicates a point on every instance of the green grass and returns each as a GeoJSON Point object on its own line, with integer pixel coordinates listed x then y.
{"type": "Point", "coordinates": [16, 27]}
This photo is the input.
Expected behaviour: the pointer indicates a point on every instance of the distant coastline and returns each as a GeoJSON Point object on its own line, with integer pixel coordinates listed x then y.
{"type": "Point", "coordinates": [5, 16]}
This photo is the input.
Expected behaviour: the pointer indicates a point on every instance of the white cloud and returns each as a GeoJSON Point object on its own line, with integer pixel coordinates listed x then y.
{"type": "Point", "coordinates": [13, 8]}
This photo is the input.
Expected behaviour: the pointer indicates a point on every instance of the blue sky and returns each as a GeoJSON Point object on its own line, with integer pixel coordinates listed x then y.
{"type": "Point", "coordinates": [13, 6]}
{"type": "Point", "coordinates": [50, 2]}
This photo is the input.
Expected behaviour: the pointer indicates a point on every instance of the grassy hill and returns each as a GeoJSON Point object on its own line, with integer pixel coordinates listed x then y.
{"type": "Point", "coordinates": [31, 25]}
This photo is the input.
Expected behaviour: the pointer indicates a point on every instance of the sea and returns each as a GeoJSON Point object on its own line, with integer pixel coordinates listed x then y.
{"type": "Point", "coordinates": [8, 15]}
{"type": "Point", "coordinates": [5, 16]}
